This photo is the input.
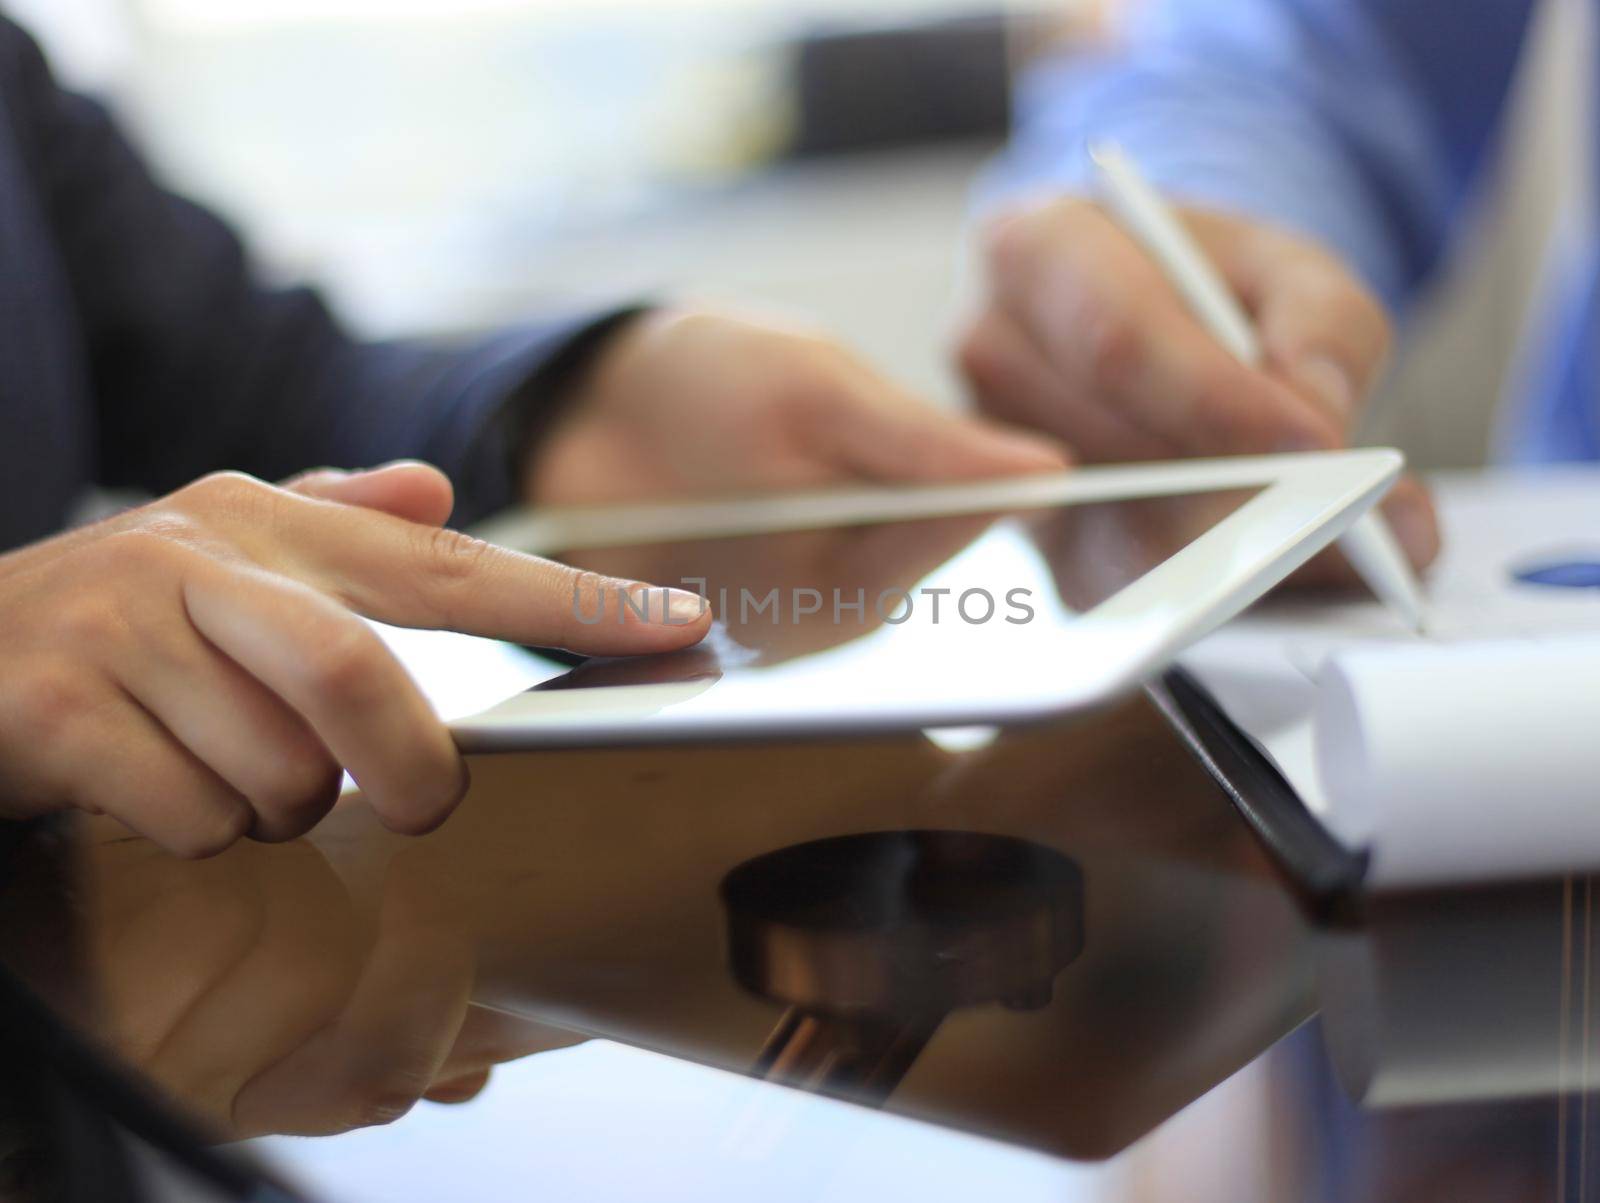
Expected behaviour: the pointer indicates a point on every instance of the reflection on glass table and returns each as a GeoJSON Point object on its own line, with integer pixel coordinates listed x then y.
{"type": "Point", "coordinates": [275, 988]}
{"type": "Point", "coordinates": [1064, 939]}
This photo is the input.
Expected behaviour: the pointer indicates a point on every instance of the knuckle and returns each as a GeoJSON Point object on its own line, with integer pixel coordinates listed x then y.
{"type": "Point", "coordinates": [976, 352]}
{"type": "Point", "coordinates": [229, 494]}
{"type": "Point", "coordinates": [215, 828]}
{"type": "Point", "coordinates": [1355, 316]}
{"type": "Point", "coordinates": [1011, 240]}
{"type": "Point", "coordinates": [453, 556]}
{"type": "Point", "coordinates": [455, 564]}
{"type": "Point", "coordinates": [47, 699]}
{"type": "Point", "coordinates": [1113, 349]}
{"type": "Point", "coordinates": [297, 792]}
{"type": "Point", "coordinates": [1014, 241]}
{"type": "Point", "coordinates": [345, 662]}
{"type": "Point", "coordinates": [160, 541]}
{"type": "Point", "coordinates": [692, 325]}
{"type": "Point", "coordinates": [91, 623]}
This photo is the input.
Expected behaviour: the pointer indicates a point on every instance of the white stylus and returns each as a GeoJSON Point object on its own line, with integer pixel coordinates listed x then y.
{"type": "Point", "coordinates": [1369, 545]}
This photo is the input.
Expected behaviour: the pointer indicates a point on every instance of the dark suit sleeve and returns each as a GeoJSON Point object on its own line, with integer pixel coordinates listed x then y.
{"type": "Point", "coordinates": [196, 366]}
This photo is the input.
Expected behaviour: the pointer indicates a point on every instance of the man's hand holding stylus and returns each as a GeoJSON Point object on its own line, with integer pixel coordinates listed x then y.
{"type": "Point", "coordinates": [1081, 335]}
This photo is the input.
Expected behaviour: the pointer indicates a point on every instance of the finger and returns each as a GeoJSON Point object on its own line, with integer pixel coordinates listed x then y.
{"type": "Point", "coordinates": [1014, 381]}
{"type": "Point", "coordinates": [125, 763]}
{"type": "Point", "coordinates": [335, 672]}
{"type": "Point", "coordinates": [407, 489]}
{"type": "Point", "coordinates": [870, 428]}
{"type": "Point", "coordinates": [230, 722]}
{"type": "Point", "coordinates": [159, 932]}
{"type": "Point", "coordinates": [1411, 515]}
{"type": "Point", "coordinates": [1321, 329]}
{"type": "Point", "coordinates": [1410, 510]}
{"type": "Point", "coordinates": [408, 574]}
{"type": "Point", "coordinates": [385, 1049]}
{"type": "Point", "coordinates": [291, 970]}
{"type": "Point", "coordinates": [1117, 332]}
{"type": "Point", "coordinates": [458, 1090]}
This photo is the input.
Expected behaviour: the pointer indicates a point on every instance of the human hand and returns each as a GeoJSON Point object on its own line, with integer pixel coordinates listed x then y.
{"type": "Point", "coordinates": [1082, 336]}
{"type": "Point", "coordinates": [264, 997]}
{"type": "Point", "coordinates": [690, 403]}
{"type": "Point", "coordinates": [196, 669]}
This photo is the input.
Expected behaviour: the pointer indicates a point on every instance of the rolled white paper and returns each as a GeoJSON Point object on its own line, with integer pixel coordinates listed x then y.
{"type": "Point", "coordinates": [1464, 762]}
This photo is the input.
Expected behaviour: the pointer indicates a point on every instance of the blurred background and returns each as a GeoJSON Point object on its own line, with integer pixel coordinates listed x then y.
{"type": "Point", "coordinates": [445, 165]}
{"type": "Point", "coordinates": [439, 166]}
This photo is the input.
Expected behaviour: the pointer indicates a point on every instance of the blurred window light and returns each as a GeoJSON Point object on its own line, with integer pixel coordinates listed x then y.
{"type": "Point", "coordinates": [427, 160]}
{"type": "Point", "coordinates": [199, 14]}
{"type": "Point", "coordinates": [89, 41]}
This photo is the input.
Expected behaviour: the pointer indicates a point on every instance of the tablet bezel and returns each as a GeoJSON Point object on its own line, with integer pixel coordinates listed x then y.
{"type": "Point", "coordinates": [1305, 502]}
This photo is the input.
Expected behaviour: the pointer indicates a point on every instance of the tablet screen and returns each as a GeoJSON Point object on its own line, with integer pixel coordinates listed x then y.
{"type": "Point", "coordinates": [795, 594]}
{"type": "Point", "coordinates": [958, 613]}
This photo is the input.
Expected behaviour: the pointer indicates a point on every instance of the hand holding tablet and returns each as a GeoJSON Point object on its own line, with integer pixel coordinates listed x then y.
{"type": "Point", "coordinates": [198, 667]}
{"type": "Point", "coordinates": [985, 637]}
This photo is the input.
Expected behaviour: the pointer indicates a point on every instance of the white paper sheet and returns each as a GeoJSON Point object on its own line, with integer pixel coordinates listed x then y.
{"type": "Point", "coordinates": [1503, 697]}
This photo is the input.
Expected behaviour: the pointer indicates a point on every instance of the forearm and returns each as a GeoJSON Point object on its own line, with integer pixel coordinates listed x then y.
{"type": "Point", "coordinates": [1362, 123]}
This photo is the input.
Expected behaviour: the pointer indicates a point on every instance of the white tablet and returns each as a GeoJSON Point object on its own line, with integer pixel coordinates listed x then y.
{"type": "Point", "coordinates": [885, 609]}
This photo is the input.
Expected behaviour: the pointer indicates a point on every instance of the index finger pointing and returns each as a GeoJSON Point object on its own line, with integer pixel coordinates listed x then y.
{"type": "Point", "coordinates": [408, 574]}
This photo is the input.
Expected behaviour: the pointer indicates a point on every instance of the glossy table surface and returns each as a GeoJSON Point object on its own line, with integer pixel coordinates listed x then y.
{"type": "Point", "coordinates": [1047, 963]}
{"type": "Point", "coordinates": [1063, 939]}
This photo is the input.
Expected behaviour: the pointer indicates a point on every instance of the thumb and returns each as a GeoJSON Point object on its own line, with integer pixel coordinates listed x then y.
{"type": "Point", "coordinates": [407, 489]}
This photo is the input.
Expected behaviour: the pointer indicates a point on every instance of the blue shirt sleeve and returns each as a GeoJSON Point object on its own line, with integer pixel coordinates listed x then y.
{"type": "Point", "coordinates": [1362, 123]}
